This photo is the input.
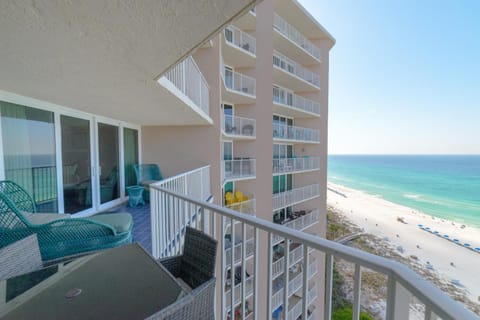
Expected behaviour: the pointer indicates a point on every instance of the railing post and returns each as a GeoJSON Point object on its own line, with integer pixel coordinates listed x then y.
{"type": "Point", "coordinates": [328, 287]}
{"type": "Point", "coordinates": [356, 292]}
{"type": "Point", "coordinates": [403, 297]}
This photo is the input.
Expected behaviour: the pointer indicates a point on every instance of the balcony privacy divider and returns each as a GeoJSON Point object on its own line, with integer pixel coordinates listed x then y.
{"type": "Point", "coordinates": [187, 77]}
{"type": "Point", "coordinates": [176, 209]}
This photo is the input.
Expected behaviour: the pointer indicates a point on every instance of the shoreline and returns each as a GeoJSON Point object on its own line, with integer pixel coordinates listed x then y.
{"type": "Point", "coordinates": [398, 226]}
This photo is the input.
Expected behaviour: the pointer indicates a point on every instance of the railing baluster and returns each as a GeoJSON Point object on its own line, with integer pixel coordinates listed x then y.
{"type": "Point", "coordinates": [305, 282]}
{"type": "Point", "coordinates": [224, 267]}
{"type": "Point", "coordinates": [202, 216]}
{"type": "Point", "coordinates": [286, 276]}
{"type": "Point", "coordinates": [244, 266]}
{"type": "Point", "coordinates": [232, 268]}
{"type": "Point", "coordinates": [269, 276]}
{"type": "Point", "coordinates": [328, 286]}
{"type": "Point", "coordinates": [356, 292]}
{"type": "Point", "coordinates": [255, 288]}
{"type": "Point", "coordinates": [390, 298]}
{"type": "Point", "coordinates": [428, 312]}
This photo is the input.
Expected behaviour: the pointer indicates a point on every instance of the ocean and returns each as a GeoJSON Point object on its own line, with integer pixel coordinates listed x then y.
{"type": "Point", "coordinates": [443, 186]}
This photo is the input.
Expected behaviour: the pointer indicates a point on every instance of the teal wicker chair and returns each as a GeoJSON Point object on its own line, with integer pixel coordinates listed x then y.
{"type": "Point", "coordinates": [19, 196]}
{"type": "Point", "coordinates": [62, 237]}
{"type": "Point", "coordinates": [147, 174]}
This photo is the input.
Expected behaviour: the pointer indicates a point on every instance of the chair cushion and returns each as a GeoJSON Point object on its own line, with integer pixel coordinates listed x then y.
{"type": "Point", "coordinates": [121, 222]}
{"type": "Point", "coordinates": [41, 218]}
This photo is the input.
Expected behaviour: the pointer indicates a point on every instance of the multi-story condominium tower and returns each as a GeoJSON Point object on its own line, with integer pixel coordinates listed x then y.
{"type": "Point", "coordinates": [268, 77]}
{"type": "Point", "coordinates": [230, 99]}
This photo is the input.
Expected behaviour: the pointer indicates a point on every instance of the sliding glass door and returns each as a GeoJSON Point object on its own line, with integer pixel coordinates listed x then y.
{"type": "Point", "coordinates": [77, 164]}
{"type": "Point", "coordinates": [130, 155]}
{"type": "Point", "coordinates": [29, 158]}
{"type": "Point", "coordinates": [108, 175]}
{"type": "Point", "coordinates": [69, 162]}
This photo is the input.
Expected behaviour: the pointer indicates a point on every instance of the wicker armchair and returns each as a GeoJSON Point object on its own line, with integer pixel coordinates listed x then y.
{"type": "Point", "coordinates": [18, 195]}
{"type": "Point", "coordinates": [147, 174]}
{"type": "Point", "coordinates": [20, 257]}
{"type": "Point", "coordinates": [196, 268]}
{"type": "Point", "coordinates": [199, 305]}
{"type": "Point", "coordinates": [63, 237]}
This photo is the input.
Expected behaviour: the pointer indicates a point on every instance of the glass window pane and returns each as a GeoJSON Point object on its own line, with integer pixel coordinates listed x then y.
{"type": "Point", "coordinates": [28, 139]}
{"type": "Point", "coordinates": [282, 185]}
{"type": "Point", "coordinates": [108, 156]}
{"type": "Point", "coordinates": [77, 181]}
{"type": "Point", "coordinates": [275, 184]}
{"type": "Point", "coordinates": [289, 151]}
{"type": "Point", "coordinates": [228, 35]}
{"type": "Point", "coordinates": [130, 148]}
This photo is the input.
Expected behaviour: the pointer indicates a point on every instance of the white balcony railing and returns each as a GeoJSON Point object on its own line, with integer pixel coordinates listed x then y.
{"type": "Point", "coordinates": [240, 39]}
{"type": "Point", "coordinates": [294, 196]}
{"type": "Point", "coordinates": [290, 99]}
{"type": "Point", "coordinates": [295, 36]}
{"type": "Point", "coordinates": [247, 207]}
{"type": "Point", "coordinates": [187, 77]}
{"type": "Point", "coordinates": [283, 62]}
{"type": "Point", "coordinates": [168, 224]}
{"type": "Point", "coordinates": [238, 169]}
{"type": "Point", "coordinates": [237, 251]}
{"type": "Point", "coordinates": [300, 223]}
{"type": "Point", "coordinates": [285, 132]}
{"type": "Point", "coordinates": [401, 286]}
{"type": "Point", "coordinates": [294, 257]}
{"type": "Point", "coordinates": [238, 289]}
{"type": "Point", "coordinates": [238, 82]}
{"type": "Point", "coordinates": [296, 310]}
{"type": "Point", "coordinates": [239, 126]}
{"type": "Point", "coordinates": [292, 165]}
{"type": "Point", "coordinates": [294, 284]}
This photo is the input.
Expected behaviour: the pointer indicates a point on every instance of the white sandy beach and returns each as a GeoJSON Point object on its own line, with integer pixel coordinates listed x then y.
{"type": "Point", "coordinates": [379, 217]}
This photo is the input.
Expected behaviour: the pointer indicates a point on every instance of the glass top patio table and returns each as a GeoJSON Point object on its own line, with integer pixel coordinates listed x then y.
{"type": "Point", "coordinates": [119, 283]}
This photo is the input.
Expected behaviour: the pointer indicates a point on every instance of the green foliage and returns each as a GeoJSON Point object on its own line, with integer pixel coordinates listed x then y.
{"type": "Point", "coordinates": [346, 314]}
{"type": "Point", "coordinates": [338, 297]}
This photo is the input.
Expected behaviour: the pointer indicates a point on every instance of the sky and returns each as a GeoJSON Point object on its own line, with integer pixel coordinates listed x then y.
{"type": "Point", "coordinates": [404, 75]}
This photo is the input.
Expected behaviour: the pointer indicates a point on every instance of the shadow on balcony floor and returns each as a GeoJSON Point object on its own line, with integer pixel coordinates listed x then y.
{"type": "Point", "coordinates": [141, 224]}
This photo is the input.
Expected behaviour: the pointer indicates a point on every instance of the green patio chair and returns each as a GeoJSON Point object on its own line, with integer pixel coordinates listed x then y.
{"type": "Point", "coordinates": [18, 195]}
{"type": "Point", "coordinates": [61, 237]}
{"type": "Point", "coordinates": [147, 174]}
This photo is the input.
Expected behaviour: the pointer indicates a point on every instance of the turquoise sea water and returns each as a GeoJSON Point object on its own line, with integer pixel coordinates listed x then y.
{"type": "Point", "coordinates": [443, 186]}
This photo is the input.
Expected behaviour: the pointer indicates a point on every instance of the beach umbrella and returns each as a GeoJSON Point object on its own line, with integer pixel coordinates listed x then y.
{"type": "Point", "coordinates": [445, 235]}
{"type": "Point", "coordinates": [456, 240]}
{"type": "Point", "coordinates": [427, 228]}
{"type": "Point", "coordinates": [436, 232]}
{"type": "Point", "coordinates": [466, 244]}
{"type": "Point", "coordinates": [420, 225]}
{"type": "Point", "coordinates": [478, 249]}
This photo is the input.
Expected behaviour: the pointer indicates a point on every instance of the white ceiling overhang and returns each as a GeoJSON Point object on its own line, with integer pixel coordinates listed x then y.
{"type": "Point", "coordinates": [104, 56]}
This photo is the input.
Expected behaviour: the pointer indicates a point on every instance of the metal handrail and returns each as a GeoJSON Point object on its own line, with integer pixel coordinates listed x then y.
{"type": "Point", "coordinates": [292, 100]}
{"type": "Point", "coordinates": [241, 39]}
{"type": "Point", "coordinates": [187, 77]}
{"type": "Point", "coordinates": [400, 277]}
{"type": "Point", "coordinates": [295, 36]}
{"type": "Point", "coordinates": [288, 65]}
